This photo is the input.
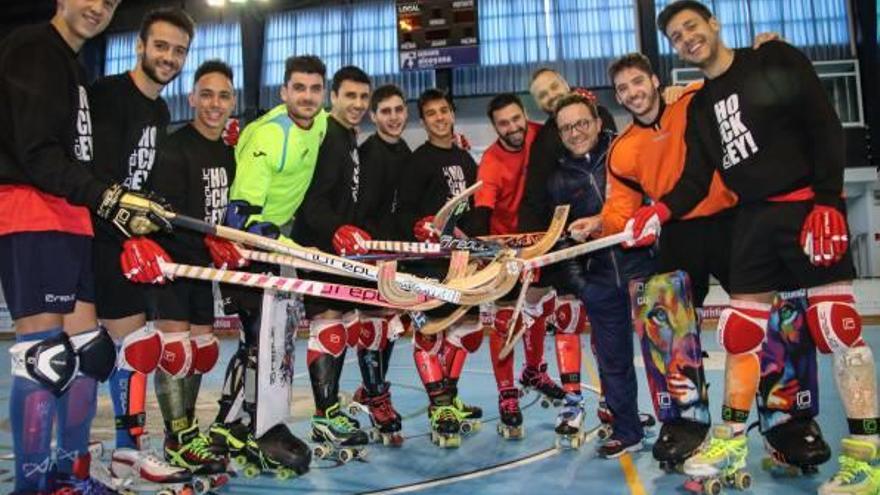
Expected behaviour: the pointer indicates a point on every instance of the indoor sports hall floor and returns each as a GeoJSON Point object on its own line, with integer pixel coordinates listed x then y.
{"type": "Point", "coordinates": [484, 464]}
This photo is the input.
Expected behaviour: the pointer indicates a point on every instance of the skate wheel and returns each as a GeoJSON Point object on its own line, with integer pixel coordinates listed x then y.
{"type": "Point", "coordinates": [283, 474]}
{"type": "Point", "coordinates": [320, 451]}
{"type": "Point", "coordinates": [576, 442]}
{"type": "Point", "coordinates": [374, 436]}
{"type": "Point", "coordinates": [240, 460]}
{"type": "Point", "coordinates": [545, 403]}
{"type": "Point", "coordinates": [604, 432]}
{"type": "Point", "coordinates": [345, 455]}
{"type": "Point", "coordinates": [466, 428]}
{"type": "Point", "coordinates": [742, 480]}
{"type": "Point", "coordinates": [251, 471]}
{"type": "Point", "coordinates": [453, 442]}
{"type": "Point", "coordinates": [712, 487]}
{"type": "Point", "coordinates": [201, 485]}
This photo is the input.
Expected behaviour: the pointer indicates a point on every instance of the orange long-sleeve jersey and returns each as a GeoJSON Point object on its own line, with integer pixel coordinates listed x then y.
{"type": "Point", "coordinates": [647, 160]}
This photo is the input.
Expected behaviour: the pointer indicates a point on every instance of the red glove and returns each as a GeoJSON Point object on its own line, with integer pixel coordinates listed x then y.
{"type": "Point", "coordinates": [225, 254]}
{"type": "Point", "coordinates": [645, 224]}
{"type": "Point", "coordinates": [824, 236]}
{"type": "Point", "coordinates": [461, 141]}
{"type": "Point", "coordinates": [349, 239]}
{"type": "Point", "coordinates": [425, 231]}
{"type": "Point", "coordinates": [230, 132]}
{"type": "Point", "coordinates": [140, 261]}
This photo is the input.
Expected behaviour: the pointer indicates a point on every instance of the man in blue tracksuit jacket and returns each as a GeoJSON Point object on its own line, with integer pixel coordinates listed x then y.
{"type": "Point", "coordinates": [600, 279]}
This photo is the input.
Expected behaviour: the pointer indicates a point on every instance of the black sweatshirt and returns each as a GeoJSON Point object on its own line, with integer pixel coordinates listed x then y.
{"type": "Point", "coordinates": [767, 126]}
{"type": "Point", "coordinates": [46, 127]}
{"type": "Point", "coordinates": [193, 174]}
{"type": "Point", "coordinates": [382, 166]}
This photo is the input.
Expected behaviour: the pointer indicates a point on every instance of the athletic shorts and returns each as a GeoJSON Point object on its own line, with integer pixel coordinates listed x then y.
{"type": "Point", "coordinates": [45, 272]}
{"type": "Point", "coordinates": [183, 300]}
{"type": "Point", "coordinates": [115, 296]}
{"type": "Point", "coordinates": [701, 247]}
{"type": "Point", "coordinates": [767, 254]}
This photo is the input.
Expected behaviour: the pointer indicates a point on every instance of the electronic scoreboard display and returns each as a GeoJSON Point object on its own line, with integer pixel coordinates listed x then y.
{"type": "Point", "coordinates": [437, 34]}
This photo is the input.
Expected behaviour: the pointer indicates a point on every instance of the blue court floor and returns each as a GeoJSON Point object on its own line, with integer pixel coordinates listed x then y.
{"type": "Point", "coordinates": [484, 464]}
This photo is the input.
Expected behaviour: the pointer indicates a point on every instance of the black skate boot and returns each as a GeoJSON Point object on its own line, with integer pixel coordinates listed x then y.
{"type": "Point", "coordinates": [795, 447]}
{"type": "Point", "coordinates": [190, 450]}
{"type": "Point", "coordinates": [279, 452]}
{"type": "Point", "coordinates": [228, 439]}
{"type": "Point", "coordinates": [538, 379]}
{"type": "Point", "coordinates": [677, 441]}
{"type": "Point", "coordinates": [510, 427]}
{"type": "Point", "coordinates": [338, 437]}
{"type": "Point", "coordinates": [385, 419]}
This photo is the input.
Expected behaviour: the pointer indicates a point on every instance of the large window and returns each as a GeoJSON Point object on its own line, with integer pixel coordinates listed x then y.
{"type": "Point", "coordinates": [212, 41]}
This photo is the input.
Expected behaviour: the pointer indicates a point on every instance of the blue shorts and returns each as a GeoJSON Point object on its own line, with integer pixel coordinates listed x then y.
{"type": "Point", "coordinates": [45, 272]}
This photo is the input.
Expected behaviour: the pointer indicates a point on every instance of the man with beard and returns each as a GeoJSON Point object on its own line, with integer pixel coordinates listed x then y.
{"type": "Point", "coordinates": [46, 155]}
{"type": "Point", "coordinates": [764, 122]}
{"type": "Point", "coordinates": [130, 121]}
{"type": "Point", "coordinates": [503, 172]}
{"type": "Point", "coordinates": [275, 159]}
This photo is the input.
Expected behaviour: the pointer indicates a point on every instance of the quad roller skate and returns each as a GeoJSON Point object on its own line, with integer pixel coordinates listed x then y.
{"type": "Point", "coordinates": [510, 426]}
{"type": "Point", "coordinates": [81, 479]}
{"type": "Point", "coordinates": [859, 472]}
{"type": "Point", "coordinates": [228, 439]}
{"type": "Point", "coordinates": [720, 462]}
{"type": "Point", "coordinates": [191, 450]}
{"type": "Point", "coordinates": [338, 436]}
{"type": "Point", "coordinates": [795, 447]}
{"type": "Point", "coordinates": [137, 472]}
{"type": "Point", "coordinates": [606, 429]}
{"type": "Point", "coordinates": [278, 452]}
{"type": "Point", "coordinates": [677, 441]}
{"type": "Point", "coordinates": [570, 423]}
{"type": "Point", "coordinates": [469, 416]}
{"type": "Point", "coordinates": [538, 380]}
{"type": "Point", "coordinates": [445, 426]}
{"type": "Point", "coordinates": [384, 418]}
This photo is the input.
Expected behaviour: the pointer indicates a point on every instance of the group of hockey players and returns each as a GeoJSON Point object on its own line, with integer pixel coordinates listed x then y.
{"type": "Point", "coordinates": [744, 171]}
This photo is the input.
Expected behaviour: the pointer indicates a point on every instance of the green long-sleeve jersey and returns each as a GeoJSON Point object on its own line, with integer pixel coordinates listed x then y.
{"type": "Point", "coordinates": [275, 160]}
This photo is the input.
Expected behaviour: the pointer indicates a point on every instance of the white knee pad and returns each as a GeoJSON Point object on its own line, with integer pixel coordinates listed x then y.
{"type": "Point", "coordinates": [177, 355]}
{"type": "Point", "coordinates": [327, 337]}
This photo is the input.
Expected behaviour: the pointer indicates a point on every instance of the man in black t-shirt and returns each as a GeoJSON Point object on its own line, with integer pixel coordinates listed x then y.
{"type": "Point", "coordinates": [194, 172]}
{"type": "Point", "coordinates": [764, 121]}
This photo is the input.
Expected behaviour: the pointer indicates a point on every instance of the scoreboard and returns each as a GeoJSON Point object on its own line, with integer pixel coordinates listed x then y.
{"type": "Point", "coordinates": [437, 34]}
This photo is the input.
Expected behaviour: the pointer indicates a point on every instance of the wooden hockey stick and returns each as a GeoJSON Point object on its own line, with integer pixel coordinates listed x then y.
{"type": "Point", "coordinates": [451, 207]}
{"type": "Point", "coordinates": [517, 310]}
{"type": "Point", "coordinates": [328, 290]}
{"type": "Point", "coordinates": [403, 246]}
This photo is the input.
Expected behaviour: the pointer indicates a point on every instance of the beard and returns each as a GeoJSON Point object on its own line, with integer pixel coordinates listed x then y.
{"type": "Point", "coordinates": [149, 67]}
{"type": "Point", "coordinates": [507, 138]}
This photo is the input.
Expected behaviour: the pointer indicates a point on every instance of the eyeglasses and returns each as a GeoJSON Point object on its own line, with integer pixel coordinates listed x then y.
{"type": "Point", "coordinates": [580, 125]}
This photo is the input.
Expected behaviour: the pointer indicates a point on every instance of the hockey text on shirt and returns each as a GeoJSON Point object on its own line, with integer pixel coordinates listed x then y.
{"type": "Point", "coordinates": [736, 138]}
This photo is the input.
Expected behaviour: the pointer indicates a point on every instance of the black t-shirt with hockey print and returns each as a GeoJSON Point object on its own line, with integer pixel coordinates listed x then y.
{"type": "Point", "coordinates": [767, 126]}
{"type": "Point", "coordinates": [382, 166]}
{"type": "Point", "coordinates": [193, 174]}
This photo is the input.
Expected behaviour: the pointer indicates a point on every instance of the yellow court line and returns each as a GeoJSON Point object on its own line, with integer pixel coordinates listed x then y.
{"type": "Point", "coordinates": [630, 472]}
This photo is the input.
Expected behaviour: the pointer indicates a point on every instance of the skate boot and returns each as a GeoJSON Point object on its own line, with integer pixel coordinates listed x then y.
{"type": "Point", "coordinates": [677, 441]}
{"type": "Point", "coordinates": [142, 471]}
{"type": "Point", "coordinates": [228, 439]}
{"type": "Point", "coordinates": [469, 416]}
{"type": "Point", "coordinates": [338, 436]}
{"type": "Point", "coordinates": [278, 452]}
{"type": "Point", "coordinates": [537, 379]}
{"type": "Point", "coordinates": [606, 418]}
{"type": "Point", "coordinates": [81, 480]}
{"type": "Point", "coordinates": [510, 427]}
{"type": "Point", "coordinates": [795, 447]}
{"type": "Point", "coordinates": [570, 423]}
{"type": "Point", "coordinates": [190, 449]}
{"type": "Point", "coordinates": [719, 462]}
{"type": "Point", "coordinates": [445, 426]}
{"type": "Point", "coordinates": [859, 472]}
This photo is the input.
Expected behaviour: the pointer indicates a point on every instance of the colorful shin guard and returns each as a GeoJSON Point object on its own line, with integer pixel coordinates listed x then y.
{"type": "Point", "coordinates": [461, 340]}
{"type": "Point", "coordinates": [426, 354]}
{"type": "Point", "coordinates": [76, 410]}
{"type": "Point", "coordinates": [741, 331]}
{"type": "Point", "coordinates": [856, 376]}
{"type": "Point", "coordinates": [570, 320]}
{"type": "Point", "coordinates": [536, 316]}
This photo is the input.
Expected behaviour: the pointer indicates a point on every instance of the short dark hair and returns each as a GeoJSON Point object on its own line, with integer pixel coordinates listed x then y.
{"type": "Point", "coordinates": [306, 64]}
{"type": "Point", "coordinates": [540, 71]}
{"type": "Point", "coordinates": [434, 94]}
{"type": "Point", "coordinates": [633, 60]}
{"type": "Point", "coordinates": [212, 66]}
{"type": "Point", "coordinates": [501, 101]}
{"type": "Point", "coordinates": [349, 73]}
{"type": "Point", "coordinates": [674, 8]}
{"type": "Point", "coordinates": [575, 99]}
{"type": "Point", "coordinates": [172, 15]}
{"type": "Point", "coordinates": [382, 93]}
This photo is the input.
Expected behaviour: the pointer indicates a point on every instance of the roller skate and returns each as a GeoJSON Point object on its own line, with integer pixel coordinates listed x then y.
{"type": "Point", "coordinates": [141, 471]}
{"type": "Point", "coordinates": [795, 447]}
{"type": "Point", "coordinates": [81, 481]}
{"type": "Point", "coordinates": [445, 426]}
{"type": "Point", "coordinates": [278, 452]}
{"type": "Point", "coordinates": [538, 380]}
{"type": "Point", "coordinates": [338, 436]}
{"type": "Point", "coordinates": [859, 472]}
{"type": "Point", "coordinates": [190, 449]}
{"type": "Point", "coordinates": [570, 423]}
{"type": "Point", "coordinates": [510, 427]}
{"type": "Point", "coordinates": [677, 441]}
{"type": "Point", "coordinates": [228, 439]}
{"type": "Point", "coordinates": [720, 461]}
{"type": "Point", "coordinates": [606, 420]}
{"type": "Point", "coordinates": [385, 420]}
{"type": "Point", "coordinates": [469, 416]}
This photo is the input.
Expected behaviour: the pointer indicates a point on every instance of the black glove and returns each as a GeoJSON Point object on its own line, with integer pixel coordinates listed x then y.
{"type": "Point", "coordinates": [134, 213]}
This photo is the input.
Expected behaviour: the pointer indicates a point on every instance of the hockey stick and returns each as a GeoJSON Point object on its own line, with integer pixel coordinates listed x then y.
{"type": "Point", "coordinates": [339, 292]}
{"type": "Point", "coordinates": [454, 206]}
{"type": "Point", "coordinates": [517, 310]}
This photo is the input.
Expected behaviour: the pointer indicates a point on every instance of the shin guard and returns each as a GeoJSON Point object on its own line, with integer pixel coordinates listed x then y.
{"type": "Point", "coordinates": [502, 368]}
{"type": "Point", "coordinates": [536, 316]}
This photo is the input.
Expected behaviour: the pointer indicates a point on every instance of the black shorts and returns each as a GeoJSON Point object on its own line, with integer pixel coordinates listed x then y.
{"type": "Point", "coordinates": [183, 300]}
{"type": "Point", "coordinates": [115, 296]}
{"type": "Point", "coordinates": [701, 247]}
{"type": "Point", "coordinates": [45, 272]}
{"type": "Point", "coordinates": [767, 254]}
{"type": "Point", "coordinates": [246, 302]}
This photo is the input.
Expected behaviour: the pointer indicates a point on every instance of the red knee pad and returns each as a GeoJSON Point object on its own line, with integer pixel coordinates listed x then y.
{"type": "Point", "coordinates": [502, 321]}
{"type": "Point", "coordinates": [374, 334]}
{"type": "Point", "coordinates": [176, 354]}
{"type": "Point", "coordinates": [544, 308]}
{"type": "Point", "coordinates": [468, 336]}
{"type": "Point", "coordinates": [742, 327]}
{"type": "Point", "coordinates": [141, 350]}
{"type": "Point", "coordinates": [327, 337]}
{"type": "Point", "coordinates": [353, 328]}
{"type": "Point", "coordinates": [205, 353]}
{"type": "Point", "coordinates": [835, 325]}
{"type": "Point", "coordinates": [571, 316]}
{"type": "Point", "coordinates": [427, 343]}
